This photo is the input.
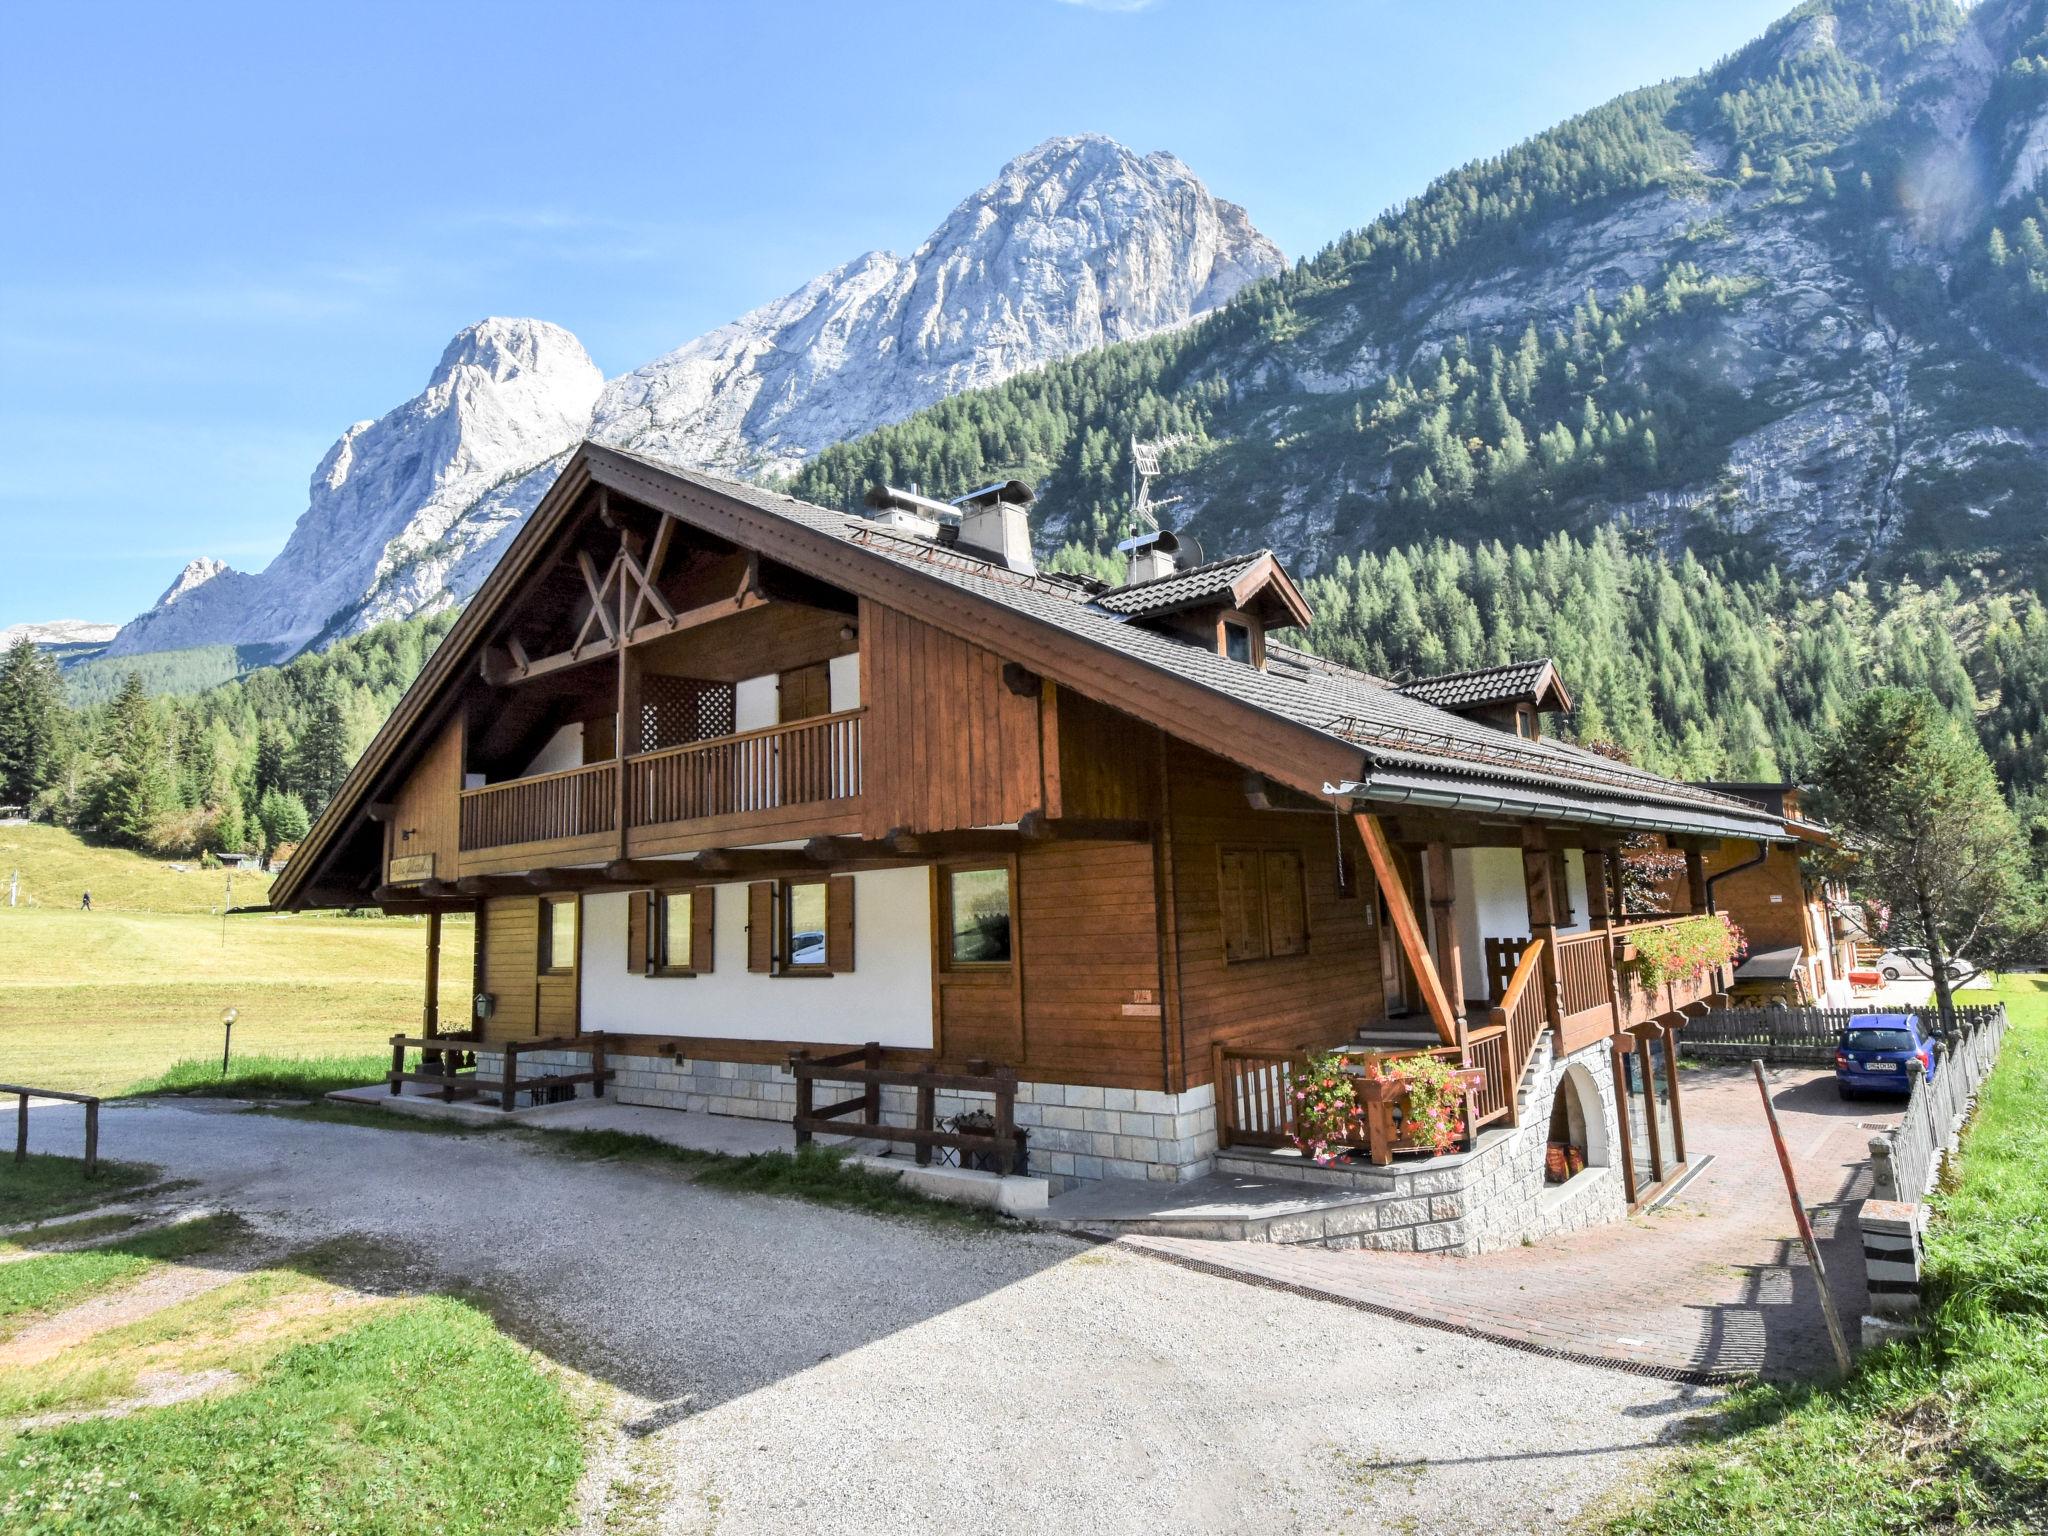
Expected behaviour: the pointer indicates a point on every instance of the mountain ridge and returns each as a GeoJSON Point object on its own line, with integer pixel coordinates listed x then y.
{"type": "Point", "coordinates": [1074, 244]}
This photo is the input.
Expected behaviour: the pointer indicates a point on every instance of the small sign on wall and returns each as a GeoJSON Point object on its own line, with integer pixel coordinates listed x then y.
{"type": "Point", "coordinates": [411, 868]}
{"type": "Point", "coordinates": [1776, 897]}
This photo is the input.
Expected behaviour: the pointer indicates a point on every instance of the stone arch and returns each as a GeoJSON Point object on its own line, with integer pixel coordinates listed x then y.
{"type": "Point", "coordinates": [1578, 1117]}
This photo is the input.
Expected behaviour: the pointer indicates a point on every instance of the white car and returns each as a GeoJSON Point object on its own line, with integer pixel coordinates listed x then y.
{"type": "Point", "coordinates": [1913, 965]}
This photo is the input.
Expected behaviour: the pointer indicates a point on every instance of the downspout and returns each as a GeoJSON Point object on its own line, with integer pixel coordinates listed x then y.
{"type": "Point", "coordinates": [1763, 851]}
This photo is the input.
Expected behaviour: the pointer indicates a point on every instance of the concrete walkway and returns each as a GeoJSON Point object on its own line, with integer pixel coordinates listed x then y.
{"type": "Point", "coordinates": [1712, 1285]}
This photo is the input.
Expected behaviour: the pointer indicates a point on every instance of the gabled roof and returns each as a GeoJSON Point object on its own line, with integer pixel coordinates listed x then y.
{"type": "Point", "coordinates": [1315, 726]}
{"type": "Point", "coordinates": [1238, 580]}
{"type": "Point", "coordinates": [1518, 682]}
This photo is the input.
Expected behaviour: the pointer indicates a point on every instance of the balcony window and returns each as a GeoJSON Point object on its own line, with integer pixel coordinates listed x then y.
{"type": "Point", "coordinates": [977, 908]}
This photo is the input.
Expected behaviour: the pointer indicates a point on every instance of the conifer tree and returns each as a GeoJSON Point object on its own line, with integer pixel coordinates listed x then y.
{"type": "Point", "coordinates": [31, 721]}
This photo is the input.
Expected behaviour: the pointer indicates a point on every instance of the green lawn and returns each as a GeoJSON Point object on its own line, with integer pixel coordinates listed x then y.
{"type": "Point", "coordinates": [319, 1408]}
{"type": "Point", "coordinates": [47, 1184]}
{"type": "Point", "coordinates": [1947, 1433]}
{"type": "Point", "coordinates": [53, 1280]}
{"type": "Point", "coordinates": [98, 1001]}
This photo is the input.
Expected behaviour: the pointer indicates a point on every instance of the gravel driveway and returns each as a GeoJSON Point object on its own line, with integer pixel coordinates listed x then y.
{"type": "Point", "coordinates": [783, 1367]}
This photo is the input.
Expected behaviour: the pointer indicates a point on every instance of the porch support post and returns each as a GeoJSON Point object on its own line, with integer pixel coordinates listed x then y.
{"type": "Point", "coordinates": [430, 1008]}
{"type": "Point", "coordinates": [623, 736]}
{"type": "Point", "coordinates": [1539, 876]}
{"type": "Point", "coordinates": [1695, 880]}
{"type": "Point", "coordinates": [1443, 901]}
{"type": "Point", "coordinates": [1407, 925]}
{"type": "Point", "coordinates": [1617, 1046]}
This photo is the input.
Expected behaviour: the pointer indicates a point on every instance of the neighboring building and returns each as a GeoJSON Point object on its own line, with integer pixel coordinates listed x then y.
{"type": "Point", "coordinates": [726, 776]}
{"type": "Point", "coordinates": [1800, 947]}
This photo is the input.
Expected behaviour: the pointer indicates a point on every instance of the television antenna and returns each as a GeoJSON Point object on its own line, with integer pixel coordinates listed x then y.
{"type": "Point", "coordinates": [1145, 462]}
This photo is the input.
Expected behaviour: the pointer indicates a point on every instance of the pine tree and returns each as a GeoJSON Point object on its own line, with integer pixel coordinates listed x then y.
{"type": "Point", "coordinates": [138, 788]}
{"type": "Point", "coordinates": [31, 721]}
{"type": "Point", "coordinates": [1937, 846]}
{"type": "Point", "coordinates": [321, 759]}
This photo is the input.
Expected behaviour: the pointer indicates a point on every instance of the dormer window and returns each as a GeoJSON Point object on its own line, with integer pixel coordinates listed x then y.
{"type": "Point", "coordinates": [1237, 641]}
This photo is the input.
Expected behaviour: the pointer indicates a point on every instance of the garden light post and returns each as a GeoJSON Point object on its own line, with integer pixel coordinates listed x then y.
{"type": "Point", "coordinates": [227, 1034]}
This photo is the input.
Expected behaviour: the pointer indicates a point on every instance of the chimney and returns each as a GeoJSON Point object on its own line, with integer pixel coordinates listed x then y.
{"type": "Point", "coordinates": [994, 524]}
{"type": "Point", "coordinates": [1150, 556]}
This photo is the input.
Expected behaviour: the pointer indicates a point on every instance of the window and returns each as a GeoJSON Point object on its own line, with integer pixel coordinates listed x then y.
{"type": "Point", "coordinates": [977, 911]}
{"type": "Point", "coordinates": [803, 925]}
{"type": "Point", "coordinates": [675, 927]}
{"type": "Point", "coordinates": [1525, 722]}
{"type": "Point", "coordinates": [558, 935]}
{"type": "Point", "coordinates": [1237, 642]}
{"type": "Point", "coordinates": [1264, 908]}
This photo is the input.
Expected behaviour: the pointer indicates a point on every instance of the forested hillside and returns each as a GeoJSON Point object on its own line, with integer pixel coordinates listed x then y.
{"type": "Point", "coordinates": [1791, 311]}
{"type": "Point", "coordinates": [1692, 670]}
{"type": "Point", "coordinates": [242, 765]}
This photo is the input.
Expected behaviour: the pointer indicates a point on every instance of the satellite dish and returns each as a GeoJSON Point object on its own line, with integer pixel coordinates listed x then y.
{"type": "Point", "coordinates": [1189, 555]}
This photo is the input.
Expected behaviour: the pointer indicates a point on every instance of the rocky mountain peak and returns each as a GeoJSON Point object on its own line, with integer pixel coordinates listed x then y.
{"type": "Point", "coordinates": [1076, 243]}
{"type": "Point", "coordinates": [197, 573]}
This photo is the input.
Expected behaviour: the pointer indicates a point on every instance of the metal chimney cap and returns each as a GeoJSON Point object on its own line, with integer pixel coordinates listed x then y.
{"type": "Point", "coordinates": [888, 498]}
{"type": "Point", "coordinates": [1016, 492]}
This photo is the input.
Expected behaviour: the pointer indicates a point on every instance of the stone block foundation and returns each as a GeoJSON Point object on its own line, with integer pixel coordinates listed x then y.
{"type": "Point", "coordinates": [1075, 1133]}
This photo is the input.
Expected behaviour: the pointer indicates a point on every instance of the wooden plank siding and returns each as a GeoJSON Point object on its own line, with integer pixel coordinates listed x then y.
{"type": "Point", "coordinates": [428, 816]}
{"type": "Point", "coordinates": [948, 745]}
{"type": "Point", "coordinates": [1108, 761]}
{"type": "Point", "coordinates": [1320, 997]}
{"type": "Point", "coordinates": [510, 966]}
{"type": "Point", "coordinates": [1089, 942]}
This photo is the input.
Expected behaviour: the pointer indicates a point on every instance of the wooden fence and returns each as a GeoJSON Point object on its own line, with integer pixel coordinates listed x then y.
{"type": "Point", "coordinates": [1904, 1161]}
{"type": "Point", "coordinates": [92, 1121]}
{"type": "Point", "coordinates": [1791, 1036]}
{"type": "Point", "coordinates": [797, 764]}
{"type": "Point", "coordinates": [442, 1065]}
{"type": "Point", "coordinates": [860, 1117]}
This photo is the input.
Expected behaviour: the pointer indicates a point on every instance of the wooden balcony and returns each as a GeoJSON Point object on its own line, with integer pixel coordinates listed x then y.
{"type": "Point", "coordinates": [566, 807]}
{"type": "Point", "coordinates": [727, 781]}
{"type": "Point", "coordinates": [1590, 969]}
{"type": "Point", "coordinates": [800, 764]}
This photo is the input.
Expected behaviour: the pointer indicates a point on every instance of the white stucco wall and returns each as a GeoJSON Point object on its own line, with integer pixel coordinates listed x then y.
{"type": "Point", "coordinates": [1575, 886]}
{"type": "Point", "coordinates": [1491, 905]}
{"type": "Point", "coordinates": [886, 997]}
{"type": "Point", "coordinates": [562, 750]}
{"type": "Point", "coordinates": [753, 703]}
{"type": "Point", "coordinates": [845, 672]}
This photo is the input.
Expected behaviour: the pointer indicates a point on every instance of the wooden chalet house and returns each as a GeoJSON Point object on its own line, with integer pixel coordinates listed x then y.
{"type": "Point", "coordinates": [726, 777]}
{"type": "Point", "coordinates": [1801, 945]}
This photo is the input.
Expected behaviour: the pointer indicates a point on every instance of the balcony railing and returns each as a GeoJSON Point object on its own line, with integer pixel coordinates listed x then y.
{"type": "Point", "coordinates": [800, 764]}
{"type": "Point", "coordinates": [549, 807]}
{"type": "Point", "coordinates": [812, 760]}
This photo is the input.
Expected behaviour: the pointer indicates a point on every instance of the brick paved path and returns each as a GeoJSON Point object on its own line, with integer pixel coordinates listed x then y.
{"type": "Point", "coordinates": [1714, 1281]}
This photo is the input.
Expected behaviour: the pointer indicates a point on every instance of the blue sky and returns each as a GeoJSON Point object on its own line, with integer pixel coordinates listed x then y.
{"type": "Point", "coordinates": [233, 230]}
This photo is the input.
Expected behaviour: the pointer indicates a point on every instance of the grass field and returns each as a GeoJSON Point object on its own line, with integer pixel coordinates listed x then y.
{"type": "Point", "coordinates": [56, 867]}
{"type": "Point", "coordinates": [98, 1001]}
{"type": "Point", "coordinates": [1948, 1432]}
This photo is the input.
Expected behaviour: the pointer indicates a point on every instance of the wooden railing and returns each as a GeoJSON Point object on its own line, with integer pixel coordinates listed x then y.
{"type": "Point", "coordinates": [92, 1121]}
{"type": "Point", "coordinates": [1502, 956]}
{"type": "Point", "coordinates": [549, 807]}
{"type": "Point", "coordinates": [811, 760]}
{"type": "Point", "coordinates": [1520, 1018]}
{"type": "Point", "coordinates": [442, 1067]}
{"type": "Point", "coordinates": [1255, 1096]}
{"type": "Point", "coordinates": [860, 1117]}
{"type": "Point", "coordinates": [1584, 966]}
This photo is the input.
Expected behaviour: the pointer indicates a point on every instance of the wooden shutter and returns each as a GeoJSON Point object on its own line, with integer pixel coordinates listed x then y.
{"type": "Point", "coordinates": [761, 926]}
{"type": "Point", "coordinates": [839, 923]}
{"type": "Point", "coordinates": [600, 739]}
{"type": "Point", "coordinates": [1244, 907]}
{"type": "Point", "coordinates": [804, 693]}
{"type": "Point", "coordinates": [1286, 907]}
{"type": "Point", "coordinates": [703, 902]}
{"type": "Point", "coordinates": [640, 927]}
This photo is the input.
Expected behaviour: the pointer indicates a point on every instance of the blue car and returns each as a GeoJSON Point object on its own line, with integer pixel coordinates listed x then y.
{"type": "Point", "coordinates": [1882, 1054]}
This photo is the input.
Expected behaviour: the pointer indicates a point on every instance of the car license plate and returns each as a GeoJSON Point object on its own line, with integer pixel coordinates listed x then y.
{"type": "Point", "coordinates": [1881, 1066]}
